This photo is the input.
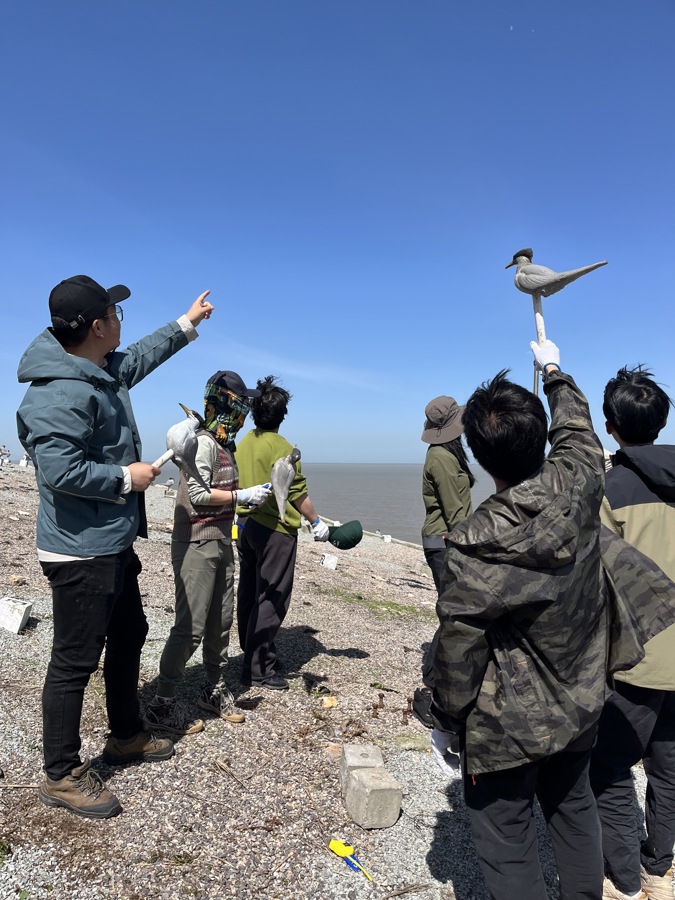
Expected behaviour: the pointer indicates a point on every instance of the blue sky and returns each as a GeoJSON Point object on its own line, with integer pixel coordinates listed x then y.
{"type": "Point", "coordinates": [349, 179]}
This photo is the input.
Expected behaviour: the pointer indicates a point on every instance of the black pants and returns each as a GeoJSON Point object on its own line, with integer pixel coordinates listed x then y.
{"type": "Point", "coordinates": [636, 723]}
{"type": "Point", "coordinates": [500, 807]}
{"type": "Point", "coordinates": [266, 572]}
{"type": "Point", "coordinates": [96, 604]}
{"type": "Point", "coordinates": [435, 557]}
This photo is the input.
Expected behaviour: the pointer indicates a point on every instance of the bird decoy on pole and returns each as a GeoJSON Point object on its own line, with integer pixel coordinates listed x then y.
{"type": "Point", "coordinates": [181, 445]}
{"type": "Point", "coordinates": [540, 281]}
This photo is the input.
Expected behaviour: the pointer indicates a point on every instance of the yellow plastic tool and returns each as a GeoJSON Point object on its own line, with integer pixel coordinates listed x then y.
{"type": "Point", "coordinates": [347, 853]}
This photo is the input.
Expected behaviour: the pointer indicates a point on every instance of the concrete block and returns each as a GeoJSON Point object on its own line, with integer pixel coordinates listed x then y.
{"type": "Point", "coordinates": [373, 798]}
{"type": "Point", "coordinates": [358, 756]}
{"type": "Point", "coordinates": [329, 561]}
{"type": "Point", "coordinates": [14, 613]}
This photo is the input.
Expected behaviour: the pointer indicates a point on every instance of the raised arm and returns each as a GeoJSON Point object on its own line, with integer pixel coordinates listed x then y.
{"type": "Point", "coordinates": [571, 434]}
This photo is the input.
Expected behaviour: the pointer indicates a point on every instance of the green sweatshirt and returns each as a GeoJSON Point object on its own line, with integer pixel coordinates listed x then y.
{"type": "Point", "coordinates": [446, 492]}
{"type": "Point", "coordinates": [255, 455]}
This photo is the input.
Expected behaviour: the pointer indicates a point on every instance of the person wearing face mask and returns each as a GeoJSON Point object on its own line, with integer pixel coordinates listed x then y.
{"type": "Point", "coordinates": [203, 561]}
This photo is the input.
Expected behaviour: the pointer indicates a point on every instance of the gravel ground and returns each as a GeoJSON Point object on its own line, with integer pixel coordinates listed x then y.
{"type": "Point", "coordinates": [241, 811]}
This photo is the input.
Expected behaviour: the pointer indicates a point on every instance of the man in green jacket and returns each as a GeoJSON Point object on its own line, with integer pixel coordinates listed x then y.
{"type": "Point", "coordinates": [523, 636]}
{"type": "Point", "coordinates": [638, 722]}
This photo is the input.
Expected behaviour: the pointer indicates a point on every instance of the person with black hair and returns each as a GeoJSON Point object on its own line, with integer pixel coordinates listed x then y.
{"type": "Point", "coordinates": [519, 670]}
{"type": "Point", "coordinates": [267, 546]}
{"type": "Point", "coordinates": [638, 722]}
{"type": "Point", "coordinates": [77, 425]}
{"type": "Point", "coordinates": [203, 562]}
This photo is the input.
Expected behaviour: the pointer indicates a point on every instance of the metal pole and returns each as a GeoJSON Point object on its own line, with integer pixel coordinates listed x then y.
{"type": "Point", "coordinates": [541, 333]}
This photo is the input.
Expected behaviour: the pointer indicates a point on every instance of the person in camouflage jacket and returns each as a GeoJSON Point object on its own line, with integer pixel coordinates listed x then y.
{"type": "Point", "coordinates": [520, 668]}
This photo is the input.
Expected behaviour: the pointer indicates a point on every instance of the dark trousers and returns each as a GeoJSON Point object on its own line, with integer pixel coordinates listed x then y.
{"type": "Point", "coordinates": [435, 557]}
{"type": "Point", "coordinates": [266, 571]}
{"type": "Point", "coordinates": [500, 807]}
{"type": "Point", "coordinates": [636, 723]}
{"type": "Point", "coordinates": [96, 604]}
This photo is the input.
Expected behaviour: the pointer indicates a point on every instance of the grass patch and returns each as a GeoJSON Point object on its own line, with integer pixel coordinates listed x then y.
{"type": "Point", "coordinates": [5, 852]}
{"type": "Point", "coordinates": [178, 859]}
{"type": "Point", "coordinates": [380, 606]}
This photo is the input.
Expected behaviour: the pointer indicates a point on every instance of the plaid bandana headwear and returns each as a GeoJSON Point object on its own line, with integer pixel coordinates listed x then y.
{"type": "Point", "coordinates": [224, 414]}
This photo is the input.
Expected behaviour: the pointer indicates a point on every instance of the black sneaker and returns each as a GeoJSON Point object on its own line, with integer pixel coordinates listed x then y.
{"type": "Point", "coordinates": [273, 682]}
{"type": "Point", "coordinates": [421, 706]}
{"type": "Point", "coordinates": [171, 716]}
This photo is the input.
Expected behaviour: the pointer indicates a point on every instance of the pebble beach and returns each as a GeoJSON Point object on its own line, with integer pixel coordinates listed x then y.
{"type": "Point", "coordinates": [241, 811]}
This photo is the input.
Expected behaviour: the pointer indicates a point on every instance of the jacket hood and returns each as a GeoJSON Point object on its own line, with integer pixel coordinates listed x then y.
{"type": "Point", "coordinates": [522, 526]}
{"type": "Point", "coordinates": [655, 465]}
{"type": "Point", "coordinates": [45, 359]}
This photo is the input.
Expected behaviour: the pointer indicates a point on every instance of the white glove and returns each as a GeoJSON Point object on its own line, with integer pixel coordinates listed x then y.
{"type": "Point", "coordinates": [545, 354]}
{"type": "Point", "coordinates": [441, 750]}
{"type": "Point", "coordinates": [320, 530]}
{"type": "Point", "coordinates": [253, 496]}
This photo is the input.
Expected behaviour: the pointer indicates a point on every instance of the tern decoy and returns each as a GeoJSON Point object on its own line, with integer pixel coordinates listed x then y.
{"type": "Point", "coordinates": [532, 279]}
{"type": "Point", "coordinates": [283, 473]}
{"type": "Point", "coordinates": [540, 281]}
{"type": "Point", "coordinates": [181, 445]}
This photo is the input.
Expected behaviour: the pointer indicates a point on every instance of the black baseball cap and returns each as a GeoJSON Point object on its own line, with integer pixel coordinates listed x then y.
{"type": "Point", "coordinates": [233, 382]}
{"type": "Point", "coordinates": [80, 299]}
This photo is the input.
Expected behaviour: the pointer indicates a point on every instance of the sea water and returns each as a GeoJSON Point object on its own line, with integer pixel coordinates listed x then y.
{"type": "Point", "coordinates": [383, 497]}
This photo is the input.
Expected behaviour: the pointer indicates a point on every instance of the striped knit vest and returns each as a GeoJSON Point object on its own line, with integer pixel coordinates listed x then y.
{"type": "Point", "coordinates": [206, 523]}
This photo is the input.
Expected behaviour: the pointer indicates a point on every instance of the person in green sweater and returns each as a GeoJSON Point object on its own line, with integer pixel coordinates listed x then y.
{"type": "Point", "coordinates": [266, 545]}
{"type": "Point", "coordinates": [446, 491]}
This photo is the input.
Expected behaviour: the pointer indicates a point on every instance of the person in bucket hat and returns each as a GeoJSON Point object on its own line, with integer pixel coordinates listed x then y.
{"type": "Point", "coordinates": [446, 491]}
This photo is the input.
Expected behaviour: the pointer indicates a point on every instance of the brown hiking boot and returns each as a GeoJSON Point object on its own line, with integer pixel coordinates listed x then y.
{"type": "Point", "coordinates": [82, 792]}
{"type": "Point", "coordinates": [144, 746]}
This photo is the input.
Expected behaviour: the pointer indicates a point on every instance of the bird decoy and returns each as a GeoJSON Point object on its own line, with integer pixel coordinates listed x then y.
{"type": "Point", "coordinates": [533, 279]}
{"type": "Point", "coordinates": [283, 473]}
{"type": "Point", "coordinates": [540, 281]}
{"type": "Point", "coordinates": [181, 445]}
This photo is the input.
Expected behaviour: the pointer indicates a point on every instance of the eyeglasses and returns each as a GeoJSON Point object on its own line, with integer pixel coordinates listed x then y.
{"type": "Point", "coordinates": [119, 313]}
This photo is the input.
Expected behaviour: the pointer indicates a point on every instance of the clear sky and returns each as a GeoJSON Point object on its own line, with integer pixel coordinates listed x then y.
{"type": "Point", "coordinates": [349, 178]}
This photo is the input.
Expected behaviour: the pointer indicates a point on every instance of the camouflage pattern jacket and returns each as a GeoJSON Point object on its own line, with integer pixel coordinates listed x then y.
{"type": "Point", "coordinates": [523, 646]}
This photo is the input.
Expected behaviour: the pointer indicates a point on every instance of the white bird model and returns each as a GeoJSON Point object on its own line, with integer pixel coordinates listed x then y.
{"type": "Point", "coordinates": [181, 444]}
{"type": "Point", "coordinates": [283, 473]}
{"type": "Point", "coordinates": [531, 279]}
